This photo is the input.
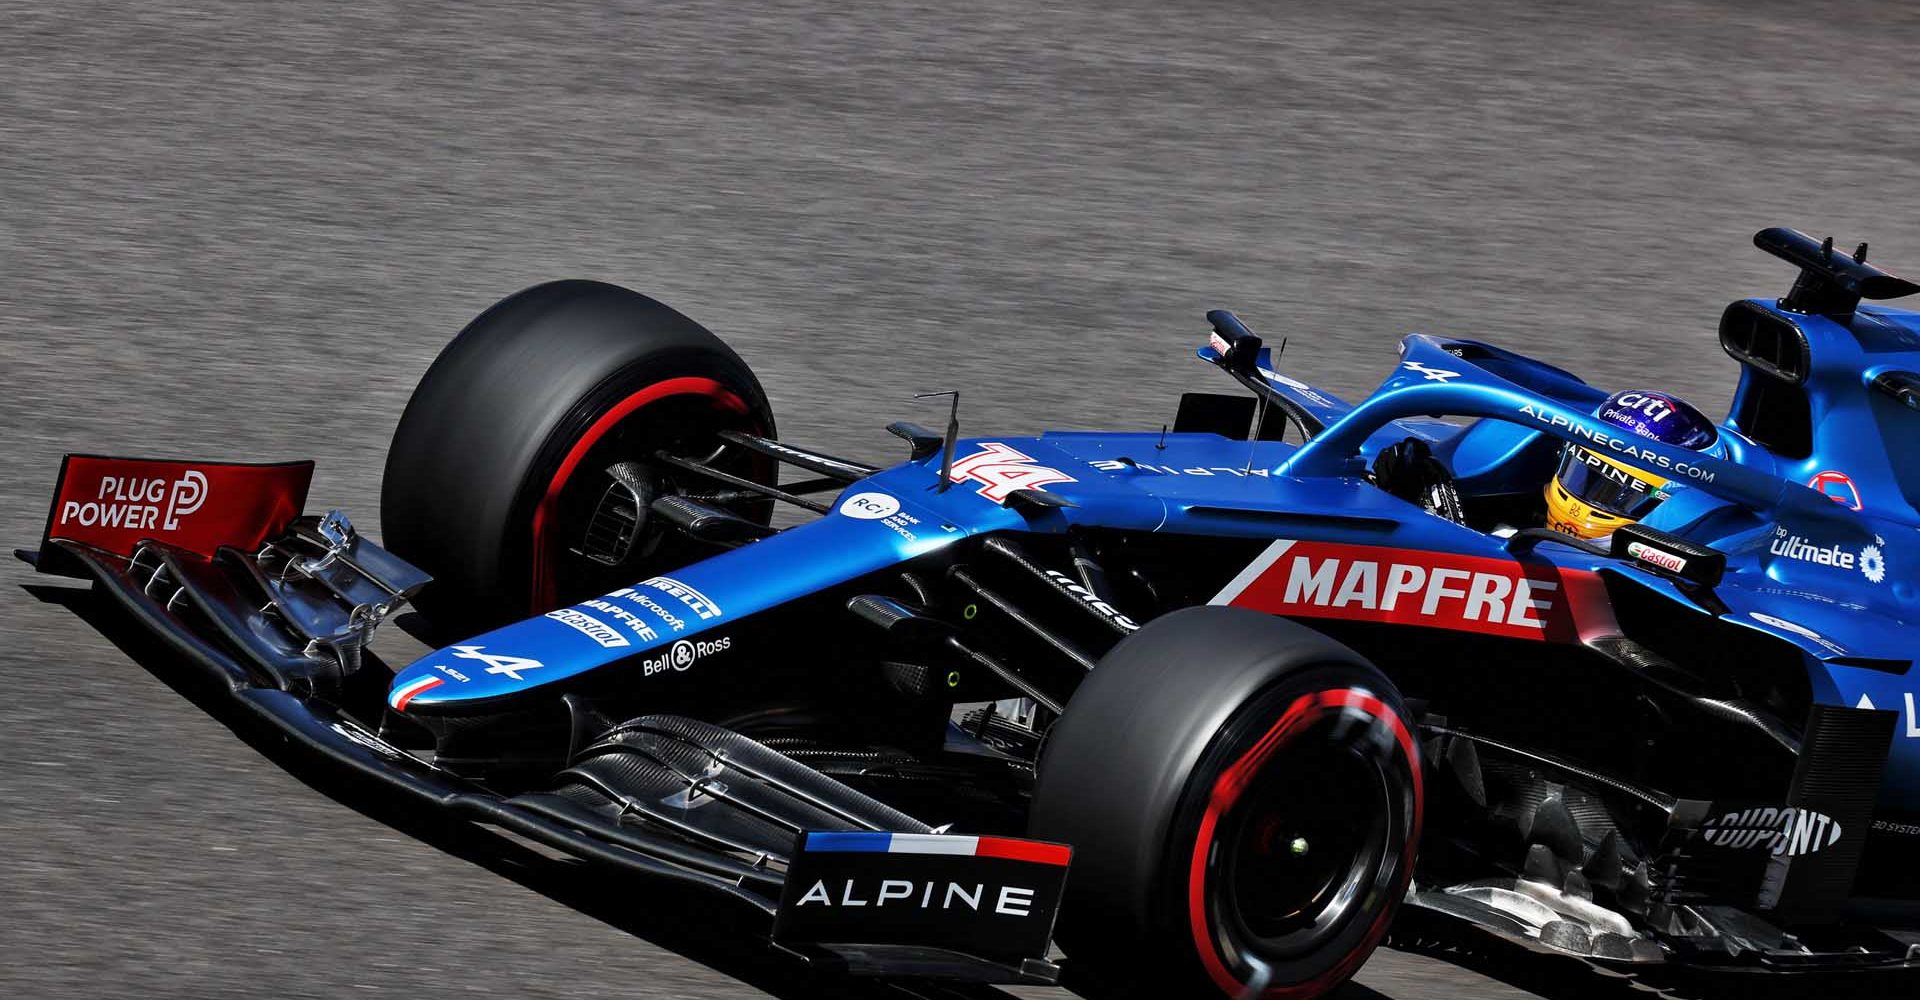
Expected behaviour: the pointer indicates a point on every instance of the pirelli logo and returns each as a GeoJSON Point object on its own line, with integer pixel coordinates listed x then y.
{"type": "Point", "coordinates": [695, 601]}
{"type": "Point", "coordinates": [1493, 596]}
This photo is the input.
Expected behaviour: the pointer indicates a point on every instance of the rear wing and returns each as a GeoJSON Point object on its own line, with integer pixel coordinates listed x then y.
{"type": "Point", "coordinates": [1830, 284]}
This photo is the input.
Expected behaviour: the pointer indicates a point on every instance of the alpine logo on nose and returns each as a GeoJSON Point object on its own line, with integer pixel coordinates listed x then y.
{"type": "Point", "coordinates": [1432, 374]}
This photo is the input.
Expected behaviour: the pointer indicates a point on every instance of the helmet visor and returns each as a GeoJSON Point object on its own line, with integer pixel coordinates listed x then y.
{"type": "Point", "coordinates": [1599, 483]}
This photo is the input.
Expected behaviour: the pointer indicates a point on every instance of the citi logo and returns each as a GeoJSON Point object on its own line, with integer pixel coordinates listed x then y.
{"type": "Point", "coordinates": [1655, 407]}
{"type": "Point", "coordinates": [1784, 831]}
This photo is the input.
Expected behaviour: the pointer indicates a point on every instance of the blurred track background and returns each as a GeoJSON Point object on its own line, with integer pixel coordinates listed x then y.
{"type": "Point", "coordinates": [243, 229]}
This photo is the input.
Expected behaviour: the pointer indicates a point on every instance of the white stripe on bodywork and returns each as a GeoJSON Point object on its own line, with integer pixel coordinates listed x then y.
{"type": "Point", "coordinates": [1254, 571]}
{"type": "Point", "coordinates": [932, 843]}
{"type": "Point", "coordinates": [400, 694]}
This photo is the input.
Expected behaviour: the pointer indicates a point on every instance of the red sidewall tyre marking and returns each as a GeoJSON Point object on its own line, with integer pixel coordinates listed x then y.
{"type": "Point", "coordinates": [1227, 789]}
{"type": "Point", "coordinates": [543, 570]}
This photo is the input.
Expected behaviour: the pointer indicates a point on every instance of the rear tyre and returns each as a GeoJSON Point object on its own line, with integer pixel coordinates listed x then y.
{"type": "Point", "coordinates": [504, 453]}
{"type": "Point", "coordinates": [1243, 797]}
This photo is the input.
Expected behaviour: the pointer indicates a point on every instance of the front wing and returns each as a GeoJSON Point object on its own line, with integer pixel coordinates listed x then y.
{"type": "Point", "coordinates": [275, 612]}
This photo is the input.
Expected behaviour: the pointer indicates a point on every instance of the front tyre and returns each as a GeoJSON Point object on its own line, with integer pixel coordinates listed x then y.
{"type": "Point", "coordinates": [508, 449]}
{"type": "Point", "coordinates": [1243, 796]}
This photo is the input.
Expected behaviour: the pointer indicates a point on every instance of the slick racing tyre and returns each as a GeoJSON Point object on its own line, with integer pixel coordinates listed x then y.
{"type": "Point", "coordinates": [1243, 798]}
{"type": "Point", "coordinates": [521, 471]}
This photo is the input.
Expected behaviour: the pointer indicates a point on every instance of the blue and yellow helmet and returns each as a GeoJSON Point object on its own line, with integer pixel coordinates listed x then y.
{"type": "Point", "coordinates": [1593, 494]}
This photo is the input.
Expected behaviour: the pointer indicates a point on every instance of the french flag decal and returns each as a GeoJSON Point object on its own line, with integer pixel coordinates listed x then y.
{"type": "Point", "coordinates": [993, 898]}
{"type": "Point", "coordinates": [399, 697]}
{"type": "Point", "coordinates": [1008, 848]}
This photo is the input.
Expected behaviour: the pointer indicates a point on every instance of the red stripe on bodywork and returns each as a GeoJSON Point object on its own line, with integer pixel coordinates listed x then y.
{"type": "Point", "coordinates": [400, 705]}
{"type": "Point", "coordinates": [1024, 850]}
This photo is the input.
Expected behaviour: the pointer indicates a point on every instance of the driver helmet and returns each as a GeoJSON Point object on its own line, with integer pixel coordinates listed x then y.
{"type": "Point", "coordinates": [1594, 493]}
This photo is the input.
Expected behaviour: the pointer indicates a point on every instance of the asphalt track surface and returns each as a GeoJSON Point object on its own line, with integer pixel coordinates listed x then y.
{"type": "Point", "coordinates": [244, 229]}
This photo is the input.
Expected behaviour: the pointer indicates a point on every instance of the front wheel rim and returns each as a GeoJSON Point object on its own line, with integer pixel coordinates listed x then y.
{"type": "Point", "coordinates": [1303, 848]}
{"type": "Point", "coordinates": [1238, 938]}
{"type": "Point", "coordinates": [547, 534]}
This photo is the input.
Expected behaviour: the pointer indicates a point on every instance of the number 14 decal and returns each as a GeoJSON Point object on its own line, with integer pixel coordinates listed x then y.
{"type": "Point", "coordinates": [1000, 470]}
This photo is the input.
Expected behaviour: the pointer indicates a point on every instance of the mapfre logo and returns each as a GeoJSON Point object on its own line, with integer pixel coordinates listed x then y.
{"type": "Point", "coordinates": [1000, 470]}
{"type": "Point", "coordinates": [1410, 587]}
{"type": "Point", "coordinates": [137, 503]}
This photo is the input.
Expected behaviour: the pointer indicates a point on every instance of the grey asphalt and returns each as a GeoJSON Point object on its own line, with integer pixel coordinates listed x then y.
{"type": "Point", "coordinates": [242, 230]}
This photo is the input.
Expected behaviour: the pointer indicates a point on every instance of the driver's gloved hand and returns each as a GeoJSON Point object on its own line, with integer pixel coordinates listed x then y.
{"type": "Point", "coordinates": [1409, 471]}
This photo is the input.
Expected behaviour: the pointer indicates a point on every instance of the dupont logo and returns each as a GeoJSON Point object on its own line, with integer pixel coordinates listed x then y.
{"type": "Point", "coordinates": [1410, 587]}
{"type": "Point", "coordinates": [1783, 831]}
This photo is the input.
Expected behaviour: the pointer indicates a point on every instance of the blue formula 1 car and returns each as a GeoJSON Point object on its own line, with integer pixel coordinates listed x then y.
{"type": "Point", "coordinates": [1207, 708]}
